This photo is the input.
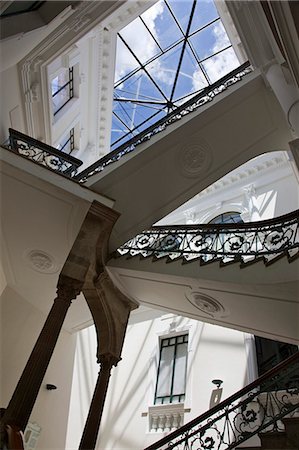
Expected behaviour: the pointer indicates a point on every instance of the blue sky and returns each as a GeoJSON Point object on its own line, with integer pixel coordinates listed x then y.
{"type": "Point", "coordinates": [158, 65]}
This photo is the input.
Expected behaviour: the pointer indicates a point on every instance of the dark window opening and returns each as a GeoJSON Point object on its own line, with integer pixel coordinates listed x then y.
{"type": "Point", "coordinates": [171, 378]}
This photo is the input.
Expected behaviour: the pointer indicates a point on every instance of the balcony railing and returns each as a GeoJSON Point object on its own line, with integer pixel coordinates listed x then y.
{"type": "Point", "coordinates": [243, 242]}
{"type": "Point", "coordinates": [201, 99]}
{"type": "Point", "coordinates": [53, 159]}
{"type": "Point", "coordinates": [257, 408]}
{"type": "Point", "coordinates": [41, 153]}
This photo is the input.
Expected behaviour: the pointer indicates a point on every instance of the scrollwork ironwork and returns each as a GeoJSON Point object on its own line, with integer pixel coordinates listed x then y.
{"type": "Point", "coordinates": [226, 242]}
{"type": "Point", "coordinates": [42, 154]}
{"type": "Point", "coordinates": [257, 408]}
{"type": "Point", "coordinates": [53, 159]}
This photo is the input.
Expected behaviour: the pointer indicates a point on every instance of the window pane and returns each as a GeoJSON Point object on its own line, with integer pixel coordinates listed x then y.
{"type": "Point", "coordinates": [125, 62]}
{"type": "Point", "coordinates": [205, 12]}
{"type": "Point", "coordinates": [210, 40]}
{"type": "Point", "coordinates": [179, 380]}
{"type": "Point", "coordinates": [165, 371]}
{"type": "Point", "coordinates": [140, 40]}
{"type": "Point", "coordinates": [181, 10]}
{"type": "Point", "coordinates": [62, 89]}
{"type": "Point", "coordinates": [220, 65]}
{"type": "Point", "coordinates": [162, 25]}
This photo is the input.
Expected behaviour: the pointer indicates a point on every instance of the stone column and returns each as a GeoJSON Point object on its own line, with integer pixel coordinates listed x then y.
{"type": "Point", "coordinates": [24, 396]}
{"type": "Point", "coordinates": [90, 433]}
{"type": "Point", "coordinates": [110, 309]}
{"type": "Point", "coordinates": [90, 249]}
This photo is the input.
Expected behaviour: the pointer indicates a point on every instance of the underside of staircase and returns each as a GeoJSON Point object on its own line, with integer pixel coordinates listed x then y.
{"type": "Point", "coordinates": [279, 440]}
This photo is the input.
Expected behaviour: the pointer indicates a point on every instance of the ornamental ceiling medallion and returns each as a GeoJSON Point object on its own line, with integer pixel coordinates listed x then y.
{"type": "Point", "coordinates": [41, 261]}
{"type": "Point", "coordinates": [207, 304]}
{"type": "Point", "coordinates": [195, 158]}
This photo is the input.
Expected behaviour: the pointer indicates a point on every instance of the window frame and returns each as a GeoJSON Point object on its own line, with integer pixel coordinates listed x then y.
{"type": "Point", "coordinates": [70, 138]}
{"type": "Point", "coordinates": [70, 85]}
{"type": "Point", "coordinates": [172, 398]}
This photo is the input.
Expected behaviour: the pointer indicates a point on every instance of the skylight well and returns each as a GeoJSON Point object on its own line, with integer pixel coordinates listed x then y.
{"type": "Point", "coordinates": [170, 53]}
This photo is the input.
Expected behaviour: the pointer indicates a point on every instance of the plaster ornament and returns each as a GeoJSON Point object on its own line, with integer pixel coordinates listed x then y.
{"type": "Point", "coordinates": [41, 261]}
{"type": "Point", "coordinates": [207, 304]}
{"type": "Point", "coordinates": [195, 158]}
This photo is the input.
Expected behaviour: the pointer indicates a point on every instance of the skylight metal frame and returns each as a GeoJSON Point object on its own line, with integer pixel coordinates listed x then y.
{"type": "Point", "coordinates": [170, 102]}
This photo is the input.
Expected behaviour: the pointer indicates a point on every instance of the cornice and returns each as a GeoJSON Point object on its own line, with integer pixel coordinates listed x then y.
{"type": "Point", "coordinates": [244, 173]}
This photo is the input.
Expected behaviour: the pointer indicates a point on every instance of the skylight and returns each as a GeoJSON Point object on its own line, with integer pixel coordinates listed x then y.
{"type": "Point", "coordinates": [164, 57]}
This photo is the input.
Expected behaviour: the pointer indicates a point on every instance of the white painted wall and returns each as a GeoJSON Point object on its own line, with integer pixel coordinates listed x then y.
{"type": "Point", "coordinates": [263, 188]}
{"type": "Point", "coordinates": [213, 352]}
{"type": "Point", "coordinates": [21, 324]}
{"type": "Point", "coordinates": [11, 109]}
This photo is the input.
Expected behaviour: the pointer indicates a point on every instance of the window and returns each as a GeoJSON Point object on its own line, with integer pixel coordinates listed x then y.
{"type": "Point", "coordinates": [68, 143]}
{"type": "Point", "coordinates": [171, 378]}
{"type": "Point", "coordinates": [269, 353]}
{"type": "Point", "coordinates": [228, 217]}
{"type": "Point", "coordinates": [182, 48]}
{"type": "Point", "coordinates": [62, 87]}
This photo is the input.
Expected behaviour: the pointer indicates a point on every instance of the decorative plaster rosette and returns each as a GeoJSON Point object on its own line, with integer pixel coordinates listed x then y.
{"type": "Point", "coordinates": [195, 158]}
{"type": "Point", "coordinates": [207, 304]}
{"type": "Point", "coordinates": [41, 261]}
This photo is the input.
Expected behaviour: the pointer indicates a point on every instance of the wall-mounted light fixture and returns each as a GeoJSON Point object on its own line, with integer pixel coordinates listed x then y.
{"type": "Point", "coordinates": [217, 382]}
{"type": "Point", "coordinates": [51, 387]}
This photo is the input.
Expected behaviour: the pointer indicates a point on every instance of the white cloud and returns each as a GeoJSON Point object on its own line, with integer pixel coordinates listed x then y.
{"type": "Point", "coordinates": [219, 65]}
{"type": "Point", "coordinates": [139, 40]}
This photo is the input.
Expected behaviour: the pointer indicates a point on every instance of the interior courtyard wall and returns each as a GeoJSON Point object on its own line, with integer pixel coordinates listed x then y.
{"type": "Point", "coordinates": [11, 109]}
{"type": "Point", "coordinates": [258, 190]}
{"type": "Point", "coordinates": [213, 352]}
{"type": "Point", "coordinates": [21, 324]}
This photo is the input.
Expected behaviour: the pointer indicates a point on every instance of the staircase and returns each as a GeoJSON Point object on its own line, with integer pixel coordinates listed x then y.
{"type": "Point", "coordinates": [176, 268]}
{"type": "Point", "coordinates": [267, 408]}
{"type": "Point", "coordinates": [279, 440]}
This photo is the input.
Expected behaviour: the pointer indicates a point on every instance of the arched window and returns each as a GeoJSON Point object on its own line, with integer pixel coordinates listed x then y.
{"type": "Point", "coordinates": [228, 217]}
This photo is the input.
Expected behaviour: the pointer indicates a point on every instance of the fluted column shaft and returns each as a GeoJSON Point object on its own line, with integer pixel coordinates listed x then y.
{"type": "Point", "coordinates": [25, 394]}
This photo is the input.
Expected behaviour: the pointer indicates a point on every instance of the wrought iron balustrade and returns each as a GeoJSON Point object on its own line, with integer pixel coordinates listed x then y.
{"type": "Point", "coordinates": [244, 242]}
{"type": "Point", "coordinates": [53, 159]}
{"type": "Point", "coordinates": [257, 408]}
{"type": "Point", "coordinates": [41, 153]}
{"type": "Point", "coordinates": [204, 97]}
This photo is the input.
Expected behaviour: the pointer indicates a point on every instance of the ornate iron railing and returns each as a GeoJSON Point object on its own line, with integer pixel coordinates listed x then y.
{"type": "Point", "coordinates": [55, 160]}
{"type": "Point", "coordinates": [204, 97]}
{"type": "Point", "coordinates": [244, 242]}
{"type": "Point", "coordinates": [257, 408]}
{"type": "Point", "coordinates": [41, 153]}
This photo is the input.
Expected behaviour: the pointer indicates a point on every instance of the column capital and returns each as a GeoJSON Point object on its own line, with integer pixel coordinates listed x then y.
{"type": "Point", "coordinates": [108, 360]}
{"type": "Point", "coordinates": [68, 288]}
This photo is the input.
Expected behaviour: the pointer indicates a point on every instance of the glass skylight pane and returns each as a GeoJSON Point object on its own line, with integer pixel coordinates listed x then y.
{"type": "Point", "coordinates": [191, 78]}
{"type": "Point", "coordinates": [139, 86]}
{"type": "Point", "coordinates": [156, 39]}
{"type": "Point", "coordinates": [205, 12]}
{"type": "Point", "coordinates": [162, 25]}
{"type": "Point", "coordinates": [210, 40]}
{"type": "Point", "coordinates": [134, 114]}
{"type": "Point", "coordinates": [164, 68]}
{"type": "Point", "coordinates": [140, 40]}
{"type": "Point", "coordinates": [118, 131]}
{"type": "Point", "coordinates": [125, 61]}
{"type": "Point", "coordinates": [219, 65]}
{"type": "Point", "coordinates": [181, 10]}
